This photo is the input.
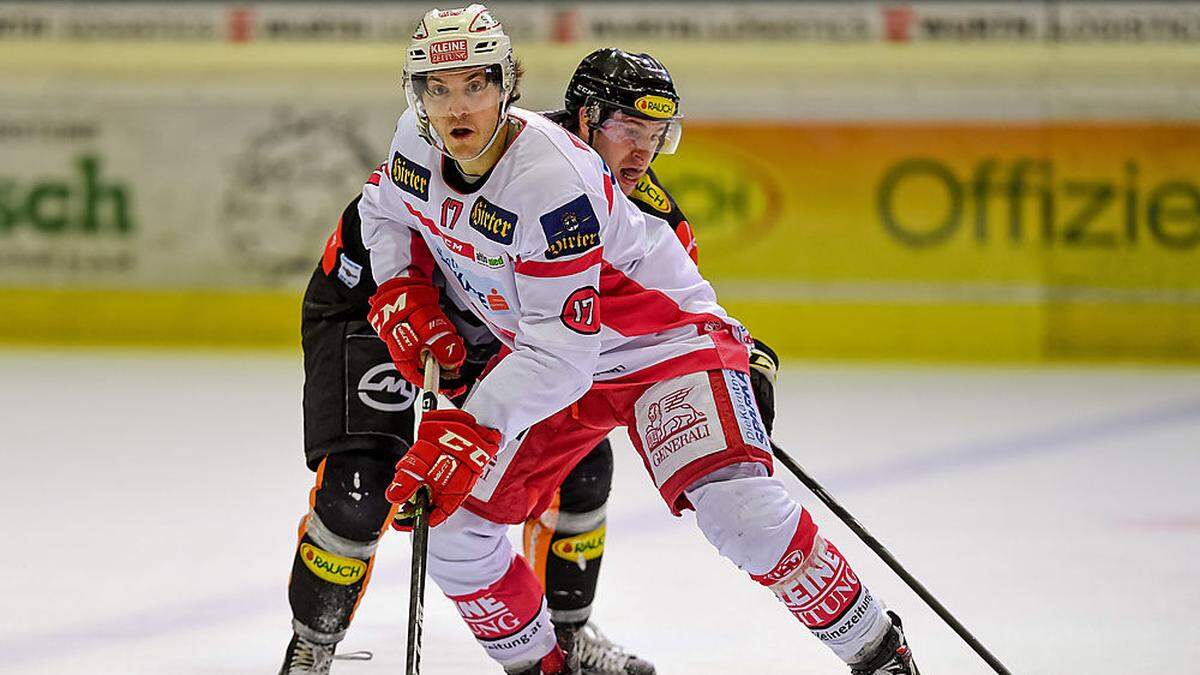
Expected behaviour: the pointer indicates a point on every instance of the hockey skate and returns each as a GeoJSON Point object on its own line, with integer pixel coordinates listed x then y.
{"type": "Point", "coordinates": [892, 657]}
{"type": "Point", "coordinates": [304, 657]}
{"type": "Point", "coordinates": [564, 660]}
{"type": "Point", "coordinates": [600, 656]}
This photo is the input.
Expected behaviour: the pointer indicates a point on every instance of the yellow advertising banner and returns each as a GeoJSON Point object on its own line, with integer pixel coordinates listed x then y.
{"type": "Point", "coordinates": [924, 241]}
{"type": "Point", "coordinates": [931, 240]}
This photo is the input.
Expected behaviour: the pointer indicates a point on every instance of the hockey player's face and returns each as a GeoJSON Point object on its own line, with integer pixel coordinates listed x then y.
{"type": "Point", "coordinates": [627, 144]}
{"type": "Point", "coordinates": [463, 107]}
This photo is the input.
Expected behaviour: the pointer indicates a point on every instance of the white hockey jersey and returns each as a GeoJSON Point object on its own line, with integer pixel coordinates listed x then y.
{"type": "Point", "coordinates": [561, 267]}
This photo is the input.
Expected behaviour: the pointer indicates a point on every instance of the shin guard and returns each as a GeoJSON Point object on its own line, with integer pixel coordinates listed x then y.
{"type": "Point", "coordinates": [566, 550]}
{"type": "Point", "coordinates": [754, 522]}
{"type": "Point", "coordinates": [332, 563]}
{"type": "Point", "coordinates": [565, 544]}
{"type": "Point", "coordinates": [509, 617]}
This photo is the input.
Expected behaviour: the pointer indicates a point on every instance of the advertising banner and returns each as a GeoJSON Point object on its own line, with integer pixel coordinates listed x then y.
{"type": "Point", "coordinates": [174, 193]}
{"type": "Point", "coordinates": [178, 196]}
{"type": "Point", "coordinates": [778, 22]}
{"type": "Point", "coordinates": [1050, 234]}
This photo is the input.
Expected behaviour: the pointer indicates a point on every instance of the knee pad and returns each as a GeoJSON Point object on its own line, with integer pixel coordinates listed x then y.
{"type": "Point", "coordinates": [349, 496]}
{"type": "Point", "coordinates": [467, 553]}
{"type": "Point", "coordinates": [749, 517]}
{"type": "Point", "coordinates": [586, 488]}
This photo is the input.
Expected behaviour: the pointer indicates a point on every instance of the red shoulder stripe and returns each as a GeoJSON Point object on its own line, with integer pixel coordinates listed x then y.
{"type": "Point", "coordinates": [559, 268]}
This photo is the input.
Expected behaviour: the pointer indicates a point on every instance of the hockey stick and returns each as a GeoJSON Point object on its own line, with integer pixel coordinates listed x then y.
{"type": "Point", "coordinates": [420, 533]}
{"type": "Point", "coordinates": [873, 543]}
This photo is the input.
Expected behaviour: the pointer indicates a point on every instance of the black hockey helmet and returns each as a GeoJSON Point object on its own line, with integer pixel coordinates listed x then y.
{"type": "Point", "coordinates": [613, 79]}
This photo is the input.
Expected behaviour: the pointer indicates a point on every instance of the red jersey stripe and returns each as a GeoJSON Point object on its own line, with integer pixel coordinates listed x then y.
{"type": "Point", "coordinates": [559, 268]}
{"type": "Point", "coordinates": [631, 309]}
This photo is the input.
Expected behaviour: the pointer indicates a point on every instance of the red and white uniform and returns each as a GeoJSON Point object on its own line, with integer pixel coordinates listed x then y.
{"type": "Point", "coordinates": [607, 322]}
{"type": "Point", "coordinates": [535, 251]}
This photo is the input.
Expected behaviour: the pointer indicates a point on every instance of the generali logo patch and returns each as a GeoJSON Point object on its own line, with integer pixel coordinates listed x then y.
{"type": "Point", "coordinates": [448, 51]}
{"type": "Point", "coordinates": [674, 422]}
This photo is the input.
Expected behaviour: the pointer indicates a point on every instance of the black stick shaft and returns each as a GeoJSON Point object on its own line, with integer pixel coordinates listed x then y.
{"type": "Point", "coordinates": [416, 585]}
{"type": "Point", "coordinates": [887, 557]}
{"type": "Point", "coordinates": [420, 535]}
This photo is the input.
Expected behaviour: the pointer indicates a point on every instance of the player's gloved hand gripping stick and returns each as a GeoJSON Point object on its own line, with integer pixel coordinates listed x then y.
{"type": "Point", "coordinates": [432, 480]}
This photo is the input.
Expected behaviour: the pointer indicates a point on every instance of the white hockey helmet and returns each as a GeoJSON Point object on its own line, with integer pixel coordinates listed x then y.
{"type": "Point", "coordinates": [453, 39]}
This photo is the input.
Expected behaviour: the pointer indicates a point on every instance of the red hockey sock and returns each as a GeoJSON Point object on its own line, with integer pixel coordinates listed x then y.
{"type": "Point", "coordinates": [820, 589]}
{"type": "Point", "coordinates": [509, 618]}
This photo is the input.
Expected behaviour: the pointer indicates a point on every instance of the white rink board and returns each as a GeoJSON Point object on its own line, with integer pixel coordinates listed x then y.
{"type": "Point", "coordinates": [151, 502]}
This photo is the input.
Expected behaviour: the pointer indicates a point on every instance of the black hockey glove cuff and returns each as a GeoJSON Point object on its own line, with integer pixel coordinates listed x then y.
{"type": "Point", "coordinates": [764, 365]}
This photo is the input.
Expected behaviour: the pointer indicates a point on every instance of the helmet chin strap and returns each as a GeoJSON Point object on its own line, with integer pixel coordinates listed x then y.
{"type": "Point", "coordinates": [593, 119]}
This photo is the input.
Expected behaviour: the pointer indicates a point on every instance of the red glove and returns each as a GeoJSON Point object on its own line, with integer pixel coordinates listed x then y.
{"type": "Point", "coordinates": [449, 455]}
{"type": "Point", "coordinates": [406, 315]}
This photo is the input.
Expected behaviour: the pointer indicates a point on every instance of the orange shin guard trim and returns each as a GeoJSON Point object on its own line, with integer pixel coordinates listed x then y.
{"type": "Point", "coordinates": [312, 501]}
{"type": "Point", "coordinates": [539, 532]}
{"type": "Point", "coordinates": [363, 589]}
{"type": "Point", "coordinates": [312, 494]}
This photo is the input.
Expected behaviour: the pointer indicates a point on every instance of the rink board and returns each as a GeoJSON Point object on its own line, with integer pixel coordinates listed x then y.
{"type": "Point", "coordinates": [912, 202]}
{"type": "Point", "coordinates": [963, 332]}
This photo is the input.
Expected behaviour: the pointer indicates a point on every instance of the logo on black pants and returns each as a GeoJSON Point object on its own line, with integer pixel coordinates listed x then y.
{"type": "Point", "coordinates": [382, 388]}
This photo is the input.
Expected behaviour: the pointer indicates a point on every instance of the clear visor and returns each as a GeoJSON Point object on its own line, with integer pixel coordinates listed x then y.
{"type": "Point", "coordinates": [459, 110]}
{"type": "Point", "coordinates": [454, 95]}
{"type": "Point", "coordinates": [655, 136]}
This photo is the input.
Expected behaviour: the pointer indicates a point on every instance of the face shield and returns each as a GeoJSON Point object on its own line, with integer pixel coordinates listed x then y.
{"type": "Point", "coordinates": [653, 136]}
{"type": "Point", "coordinates": [452, 105]}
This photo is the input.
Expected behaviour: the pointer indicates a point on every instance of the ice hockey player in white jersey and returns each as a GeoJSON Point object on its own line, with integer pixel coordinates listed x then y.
{"type": "Point", "coordinates": [605, 322]}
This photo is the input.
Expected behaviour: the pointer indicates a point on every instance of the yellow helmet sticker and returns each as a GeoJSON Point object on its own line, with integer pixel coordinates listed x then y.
{"type": "Point", "coordinates": [586, 546]}
{"type": "Point", "coordinates": [646, 191]}
{"type": "Point", "coordinates": [658, 107]}
{"type": "Point", "coordinates": [332, 568]}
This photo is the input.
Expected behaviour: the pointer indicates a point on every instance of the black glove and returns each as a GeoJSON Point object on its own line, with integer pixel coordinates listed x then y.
{"type": "Point", "coordinates": [763, 366]}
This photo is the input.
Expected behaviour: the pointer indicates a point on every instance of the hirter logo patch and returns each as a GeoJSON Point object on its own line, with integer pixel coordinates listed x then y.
{"type": "Point", "coordinates": [493, 222]}
{"type": "Point", "coordinates": [410, 176]}
{"type": "Point", "coordinates": [571, 228]}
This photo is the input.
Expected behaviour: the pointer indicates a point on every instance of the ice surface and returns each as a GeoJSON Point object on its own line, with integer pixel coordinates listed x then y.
{"type": "Point", "coordinates": [150, 503]}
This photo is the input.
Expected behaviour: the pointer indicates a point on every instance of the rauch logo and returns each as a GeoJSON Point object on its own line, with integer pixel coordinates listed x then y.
{"type": "Point", "coordinates": [332, 568]}
{"type": "Point", "coordinates": [581, 547]}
